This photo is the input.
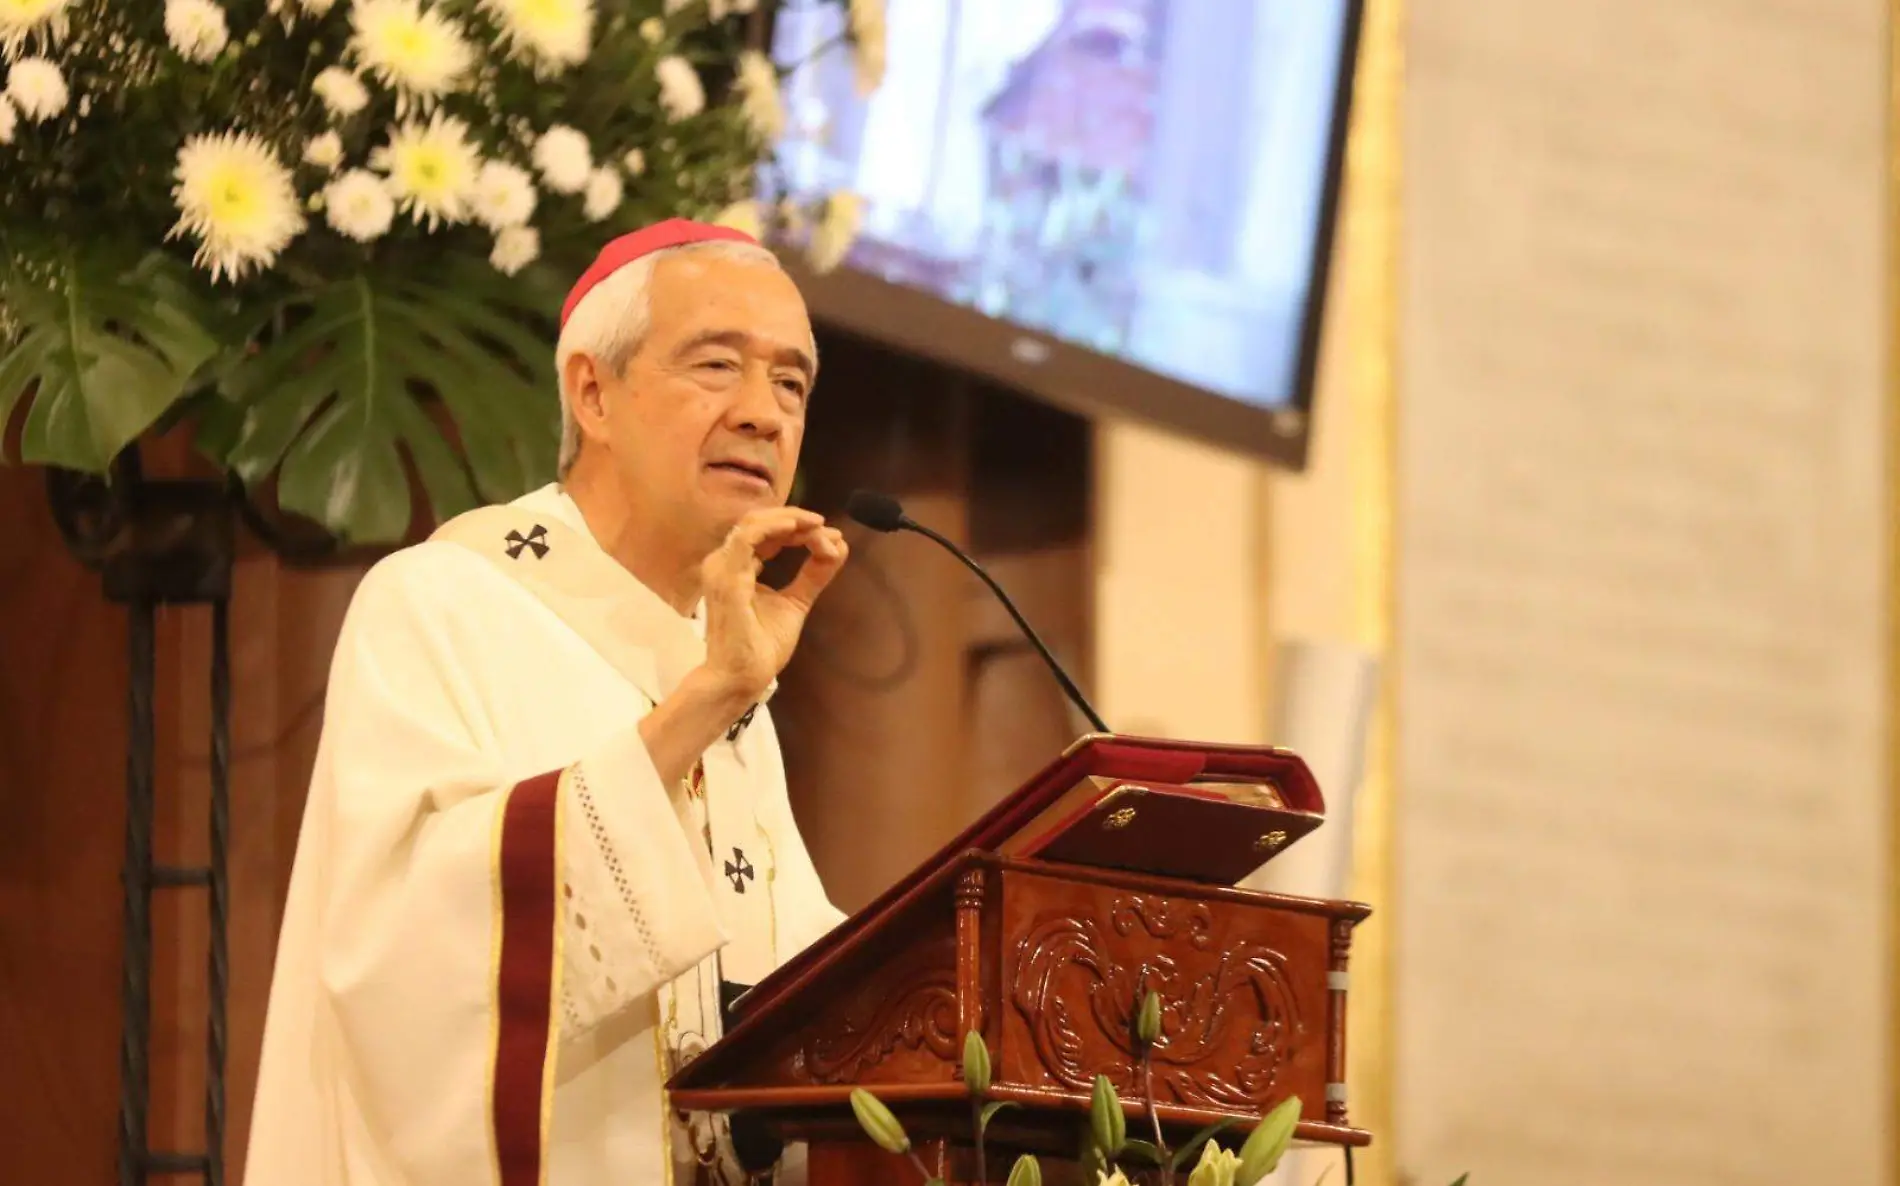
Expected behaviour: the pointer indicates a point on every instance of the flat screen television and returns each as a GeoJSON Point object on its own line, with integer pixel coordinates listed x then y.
{"type": "Point", "coordinates": [1119, 206]}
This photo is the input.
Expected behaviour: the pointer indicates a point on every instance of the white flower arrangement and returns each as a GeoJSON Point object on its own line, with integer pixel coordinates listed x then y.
{"type": "Point", "coordinates": [288, 224]}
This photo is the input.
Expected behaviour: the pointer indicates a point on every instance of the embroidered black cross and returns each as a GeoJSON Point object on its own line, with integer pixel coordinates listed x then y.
{"type": "Point", "coordinates": [739, 726]}
{"type": "Point", "coordinates": [739, 873]}
{"type": "Point", "coordinates": [536, 541]}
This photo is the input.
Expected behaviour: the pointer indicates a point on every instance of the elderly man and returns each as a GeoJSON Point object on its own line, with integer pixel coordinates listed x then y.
{"type": "Point", "coordinates": [548, 822]}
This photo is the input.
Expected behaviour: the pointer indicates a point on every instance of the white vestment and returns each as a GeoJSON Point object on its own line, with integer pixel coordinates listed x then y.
{"type": "Point", "coordinates": [503, 932]}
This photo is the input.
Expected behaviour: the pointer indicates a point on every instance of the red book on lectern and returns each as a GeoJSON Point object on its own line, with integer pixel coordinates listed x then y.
{"type": "Point", "coordinates": [1186, 809]}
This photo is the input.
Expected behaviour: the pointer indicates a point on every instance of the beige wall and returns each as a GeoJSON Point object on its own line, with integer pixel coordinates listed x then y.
{"type": "Point", "coordinates": [1642, 829]}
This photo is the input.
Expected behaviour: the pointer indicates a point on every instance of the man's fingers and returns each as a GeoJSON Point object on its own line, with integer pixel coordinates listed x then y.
{"type": "Point", "coordinates": [828, 554]}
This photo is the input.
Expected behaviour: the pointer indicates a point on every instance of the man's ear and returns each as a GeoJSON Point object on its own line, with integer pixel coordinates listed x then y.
{"type": "Point", "coordinates": [586, 396]}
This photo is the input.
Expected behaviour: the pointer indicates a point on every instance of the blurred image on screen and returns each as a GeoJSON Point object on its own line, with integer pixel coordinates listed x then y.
{"type": "Point", "coordinates": [1144, 178]}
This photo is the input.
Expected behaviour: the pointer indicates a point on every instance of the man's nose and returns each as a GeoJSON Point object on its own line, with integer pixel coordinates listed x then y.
{"type": "Point", "coordinates": [756, 410]}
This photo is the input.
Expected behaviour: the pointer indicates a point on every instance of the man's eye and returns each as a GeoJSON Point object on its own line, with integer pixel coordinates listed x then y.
{"type": "Point", "coordinates": [719, 364]}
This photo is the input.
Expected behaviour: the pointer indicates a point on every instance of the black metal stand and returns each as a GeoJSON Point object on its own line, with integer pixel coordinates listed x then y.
{"type": "Point", "coordinates": [161, 543]}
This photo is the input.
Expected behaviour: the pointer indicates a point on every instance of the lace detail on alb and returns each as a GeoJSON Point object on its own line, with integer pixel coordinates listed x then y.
{"type": "Point", "coordinates": [604, 846]}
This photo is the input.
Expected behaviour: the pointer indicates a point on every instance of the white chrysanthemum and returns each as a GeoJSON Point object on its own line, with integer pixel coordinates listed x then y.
{"type": "Point", "coordinates": [358, 205]}
{"type": "Point", "coordinates": [21, 19]}
{"type": "Point", "coordinates": [605, 191]}
{"type": "Point", "coordinates": [515, 249]}
{"type": "Point", "coordinates": [564, 159]}
{"type": "Point", "coordinates": [504, 196]}
{"type": "Point", "coordinates": [236, 198]}
{"type": "Point", "coordinates": [325, 151]}
{"type": "Point", "coordinates": [196, 29]}
{"type": "Point", "coordinates": [317, 7]}
{"type": "Point", "coordinates": [741, 216]}
{"type": "Point", "coordinates": [431, 169]}
{"type": "Point", "coordinates": [37, 88]}
{"type": "Point", "coordinates": [759, 97]}
{"type": "Point", "coordinates": [681, 92]}
{"type": "Point", "coordinates": [635, 162]}
{"type": "Point", "coordinates": [554, 34]}
{"type": "Point", "coordinates": [653, 29]}
{"type": "Point", "coordinates": [673, 6]}
{"type": "Point", "coordinates": [416, 50]}
{"type": "Point", "coordinates": [9, 120]}
{"type": "Point", "coordinates": [868, 36]}
{"type": "Point", "coordinates": [836, 231]}
{"type": "Point", "coordinates": [342, 92]}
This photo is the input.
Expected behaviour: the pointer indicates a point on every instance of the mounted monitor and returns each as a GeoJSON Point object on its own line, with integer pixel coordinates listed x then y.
{"type": "Point", "coordinates": [1119, 206]}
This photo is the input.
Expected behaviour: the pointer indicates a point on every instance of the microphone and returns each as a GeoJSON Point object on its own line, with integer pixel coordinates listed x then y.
{"type": "Point", "coordinates": [881, 512]}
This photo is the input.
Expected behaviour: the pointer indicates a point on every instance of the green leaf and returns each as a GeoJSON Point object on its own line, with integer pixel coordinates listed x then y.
{"type": "Point", "coordinates": [1148, 1151]}
{"type": "Point", "coordinates": [990, 1110]}
{"type": "Point", "coordinates": [1461, 1179]}
{"type": "Point", "coordinates": [105, 352]}
{"type": "Point", "coordinates": [1186, 1152]}
{"type": "Point", "coordinates": [1268, 1142]}
{"type": "Point", "coordinates": [340, 397]}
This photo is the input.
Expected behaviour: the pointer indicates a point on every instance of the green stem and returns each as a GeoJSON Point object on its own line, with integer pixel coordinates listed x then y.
{"type": "Point", "coordinates": [976, 1120]}
{"type": "Point", "coordinates": [1154, 1114]}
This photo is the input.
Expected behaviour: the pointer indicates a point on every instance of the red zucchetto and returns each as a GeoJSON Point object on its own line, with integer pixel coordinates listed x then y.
{"type": "Point", "coordinates": [674, 232]}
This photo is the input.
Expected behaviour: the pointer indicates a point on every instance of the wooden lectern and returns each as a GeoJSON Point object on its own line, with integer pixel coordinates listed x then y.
{"type": "Point", "coordinates": [1050, 961]}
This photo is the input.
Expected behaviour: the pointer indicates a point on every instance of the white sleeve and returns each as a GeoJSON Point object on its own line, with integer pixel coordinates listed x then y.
{"type": "Point", "coordinates": [640, 909]}
{"type": "Point", "coordinates": [408, 807]}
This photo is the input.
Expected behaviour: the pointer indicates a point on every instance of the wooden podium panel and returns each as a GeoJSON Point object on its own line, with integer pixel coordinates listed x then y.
{"type": "Point", "coordinates": [1050, 962]}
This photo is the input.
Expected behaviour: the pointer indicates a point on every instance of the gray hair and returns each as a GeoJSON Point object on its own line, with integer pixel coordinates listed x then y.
{"type": "Point", "coordinates": [611, 322]}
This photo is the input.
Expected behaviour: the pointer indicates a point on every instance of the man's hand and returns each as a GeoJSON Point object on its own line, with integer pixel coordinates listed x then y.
{"type": "Point", "coordinates": [751, 630]}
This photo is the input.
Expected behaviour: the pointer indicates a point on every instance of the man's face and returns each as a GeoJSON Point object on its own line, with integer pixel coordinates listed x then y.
{"type": "Point", "coordinates": [706, 421]}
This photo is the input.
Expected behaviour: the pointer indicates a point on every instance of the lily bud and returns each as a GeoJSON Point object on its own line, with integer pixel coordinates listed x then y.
{"type": "Point", "coordinates": [1026, 1172]}
{"type": "Point", "coordinates": [1148, 1026]}
{"type": "Point", "coordinates": [1261, 1154]}
{"type": "Point", "coordinates": [976, 1063]}
{"type": "Point", "coordinates": [1106, 1120]}
{"type": "Point", "coordinates": [878, 1123]}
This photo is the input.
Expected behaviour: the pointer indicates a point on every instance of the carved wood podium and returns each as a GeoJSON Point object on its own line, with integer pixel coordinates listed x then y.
{"type": "Point", "coordinates": [1050, 963]}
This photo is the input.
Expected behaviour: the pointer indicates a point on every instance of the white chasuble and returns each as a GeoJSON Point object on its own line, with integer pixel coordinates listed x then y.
{"type": "Point", "coordinates": [504, 933]}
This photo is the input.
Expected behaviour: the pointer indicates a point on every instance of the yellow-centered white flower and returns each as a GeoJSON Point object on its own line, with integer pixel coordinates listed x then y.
{"type": "Point", "coordinates": [515, 248]}
{"type": "Point", "coordinates": [431, 169]}
{"type": "Point", "coordinates": [196, 29]}
{"type": "Point", "coordinates": [504, 196]}
{"type": "Point", "coordinates": [342, 92]}
{"type": "Point", "coordinates": [358, 206]}
{"type": "Point", "coordinates": [837, 229]}
{"type": "Point", "coordinates": [681, 93]}
{"type": "Point", "coordinates": [605, 191]}
{"type": "Point", "coordinates": [324, 150]}
{"type": "Point", "coordinates": [552, 34]}
{"type": "Point", "coordinates": [416, 50]}
{"type": "Point", "coordinates": [21, 19]}
{"type": "Point", "coordinates": [743, 216]}
{"type": "Point", "coordinates": [236, 198]}
{"type": "Point", "coordinates": [37, 89]}
{"type": "Point", "coordinates": [564, 160]}
{"type": "Point", "coordinates": [868, 37]}
{"type": "Point", "coordinates": [759, 95]}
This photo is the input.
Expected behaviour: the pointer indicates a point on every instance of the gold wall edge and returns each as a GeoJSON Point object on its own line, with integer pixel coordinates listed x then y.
{"type": "Point", "coordinates": [1372, 226]}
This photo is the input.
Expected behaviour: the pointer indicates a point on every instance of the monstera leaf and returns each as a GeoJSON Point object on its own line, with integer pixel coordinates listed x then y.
{"type": "Point", "coordinates": [104, 350]}
{"type": "Point", "coordinates": [334, 401]}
